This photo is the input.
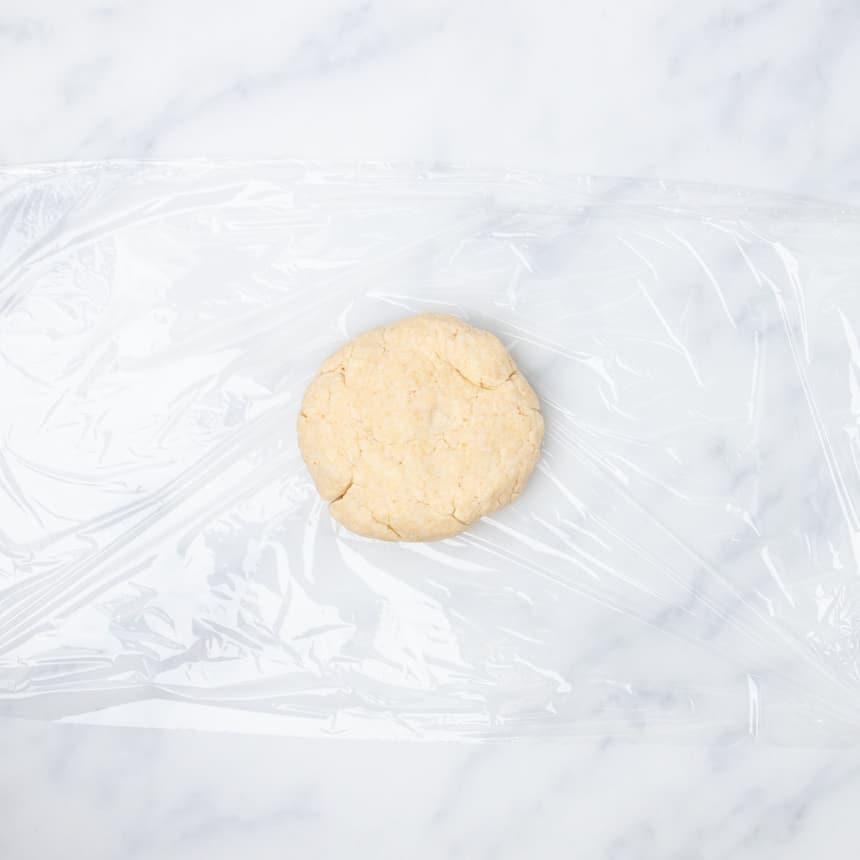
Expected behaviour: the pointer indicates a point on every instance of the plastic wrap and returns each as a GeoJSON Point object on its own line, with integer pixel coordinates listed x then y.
{"type": "Point", "coordinates": [683, 564]}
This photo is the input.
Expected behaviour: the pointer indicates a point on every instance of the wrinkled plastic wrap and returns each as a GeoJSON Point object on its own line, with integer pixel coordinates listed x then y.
{"type": "Point", "coordinates": [683, 564]}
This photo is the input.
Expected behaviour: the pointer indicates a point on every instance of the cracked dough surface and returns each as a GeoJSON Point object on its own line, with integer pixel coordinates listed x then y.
{"type": "Point", "coordinates": [415, 430]}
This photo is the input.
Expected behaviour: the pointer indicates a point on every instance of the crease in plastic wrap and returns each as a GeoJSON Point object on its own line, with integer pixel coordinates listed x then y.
{"type": "Point", "coordinates": [683, 564]}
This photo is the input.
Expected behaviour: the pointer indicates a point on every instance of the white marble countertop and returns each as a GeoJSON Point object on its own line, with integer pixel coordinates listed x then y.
{"type": "Point", "coordinates": [760, 94]}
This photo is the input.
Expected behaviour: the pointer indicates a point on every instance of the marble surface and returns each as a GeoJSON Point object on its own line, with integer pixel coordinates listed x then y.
{"type": "Point", "coordinates": [109, 793]}
{"type": "Point", "coordinates": [759, 94]}
{"type": "Point", "coordinates": [749, 92]}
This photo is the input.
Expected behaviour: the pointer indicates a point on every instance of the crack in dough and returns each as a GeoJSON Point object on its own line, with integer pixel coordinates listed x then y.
{"type": "Point", "coordinates": [415, 430]}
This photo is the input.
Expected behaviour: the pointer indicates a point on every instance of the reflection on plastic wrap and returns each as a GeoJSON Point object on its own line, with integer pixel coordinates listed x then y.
{"type": "Point", "coordinates": [683, 564]}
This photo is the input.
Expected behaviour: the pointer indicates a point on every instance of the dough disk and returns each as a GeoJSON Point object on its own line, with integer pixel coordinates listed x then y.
{"type": "Point", "coordinates": [415, 430]}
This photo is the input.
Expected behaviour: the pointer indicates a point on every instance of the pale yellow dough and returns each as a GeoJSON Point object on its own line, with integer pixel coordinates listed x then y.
{"type": "Point", "coordinates": [415, 430]}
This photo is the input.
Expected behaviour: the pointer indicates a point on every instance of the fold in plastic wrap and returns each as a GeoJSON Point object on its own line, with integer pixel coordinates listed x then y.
{"type": "Point", "coordinates": [683, 564]}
